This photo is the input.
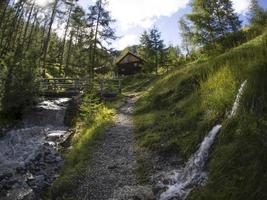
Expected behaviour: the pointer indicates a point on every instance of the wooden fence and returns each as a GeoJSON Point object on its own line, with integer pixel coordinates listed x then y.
{"type": "Point", "coordinates": [69, 85]}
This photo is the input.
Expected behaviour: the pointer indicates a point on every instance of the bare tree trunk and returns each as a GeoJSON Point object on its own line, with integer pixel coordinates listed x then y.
{"type": "Point", "coordinates": [69, 52]}
{"type": "Point", "coordinates": [32, 30]}
{"type": "Point", "coordinates": [95, 40]}
{"type": "Point", "coordinates": [64, 40]}
{"type": "Point", "coordinates": [3, 7]}
{"type": "Point", "coordinates": [46, 44]}
{"type": "Point", "coordinates": [27, 25]}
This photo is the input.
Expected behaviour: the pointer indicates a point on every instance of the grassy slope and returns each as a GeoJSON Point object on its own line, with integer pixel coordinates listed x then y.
{"type": "Point", "coordinates": [180, 108]}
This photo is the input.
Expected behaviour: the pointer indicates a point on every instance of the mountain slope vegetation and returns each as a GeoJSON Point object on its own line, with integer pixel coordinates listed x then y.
{"type": "Point", "coordinates": [180, 108]}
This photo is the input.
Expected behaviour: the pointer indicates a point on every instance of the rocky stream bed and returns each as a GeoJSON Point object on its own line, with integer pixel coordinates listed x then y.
{"type": "Point", "coordinates": [29, 158]}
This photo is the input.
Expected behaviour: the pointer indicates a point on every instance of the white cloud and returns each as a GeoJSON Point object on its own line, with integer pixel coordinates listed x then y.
{"type": "Point", "coordinates": [125, 41]}
{"type": "Point", "coordinates": [142, 13]}
{"type": "Point", "coordinates": [241, 6]}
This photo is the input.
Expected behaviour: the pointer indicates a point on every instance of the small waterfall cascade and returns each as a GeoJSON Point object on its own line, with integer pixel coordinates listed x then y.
{"type": "Point", "coordinates": [28, 158]}
{"type": "Point", "coordinates": [181, 182]}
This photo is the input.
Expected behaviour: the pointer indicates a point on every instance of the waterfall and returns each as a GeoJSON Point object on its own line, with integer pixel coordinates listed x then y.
{"type": "Point", "coordinates": [182, 181]}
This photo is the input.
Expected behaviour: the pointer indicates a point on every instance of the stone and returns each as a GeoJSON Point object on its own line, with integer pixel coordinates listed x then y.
{"type": "Point", "coordinates": [50, 159]}
{"type": "Point", "coordinates": [59, 159]}
{"type": "Point", "coordinates": [134, 193]}
{"type": "Point", "coordinates": [112, 167]}
{"type": "Point", "coordinates": [21, 170]}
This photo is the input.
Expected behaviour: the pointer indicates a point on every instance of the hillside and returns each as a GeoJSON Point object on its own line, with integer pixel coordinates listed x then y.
{"type": "Point", "coordinates": [177, 111]}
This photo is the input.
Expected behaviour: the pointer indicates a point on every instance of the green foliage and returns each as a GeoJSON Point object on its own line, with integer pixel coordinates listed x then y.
{"type": "Point", "coordinates": [30, 48]}
{"type": "Point", "coordinates": [212, 25]}
{"type": "Point", "coordinates": [19, 86]}
{"type": "Point", "coordinates": [137, 83]}
{"type": "Point", "coordinates": [257, 14]}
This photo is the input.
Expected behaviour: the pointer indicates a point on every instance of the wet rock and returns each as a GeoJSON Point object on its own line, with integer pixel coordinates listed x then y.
{"type": "Point", "coordinates": [21, 191]}
{"type": "Point", "coordinates": [1, 132]}
{"type": "Point", "coordinates": [21, 170]}
{"type": "Point", "coordinates": [35, 164]}
{"type": "Point", "coordinates": [59, 159]}
{"type": "Point", "coordinates": [9, 184]}
{"type": "Point", "coordinates": [50, 158]}
{"type": "Point", "coordinates": [8, 175]}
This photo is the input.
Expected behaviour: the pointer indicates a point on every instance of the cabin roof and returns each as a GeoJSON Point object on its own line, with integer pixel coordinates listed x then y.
{"type": "Point", "coordinates": [127, 54]}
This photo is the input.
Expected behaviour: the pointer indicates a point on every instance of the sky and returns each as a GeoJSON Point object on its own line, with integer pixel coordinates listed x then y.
{"type": "Point", "coordinates": [133, 17]}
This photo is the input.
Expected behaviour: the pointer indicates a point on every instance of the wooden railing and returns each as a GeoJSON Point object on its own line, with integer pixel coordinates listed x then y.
{"type": "Point", "coordinates": [63, 84]}
{"type": "Point", "coordinates": [57, 85]}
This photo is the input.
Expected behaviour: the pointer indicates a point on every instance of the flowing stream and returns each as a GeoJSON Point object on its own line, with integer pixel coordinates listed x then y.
{"type": "Point", "coordinates": [28, 158]}
{"type": "Point", "coordinates": [181, 182]}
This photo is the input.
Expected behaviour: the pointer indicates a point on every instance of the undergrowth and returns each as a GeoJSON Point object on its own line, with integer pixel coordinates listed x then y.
{"type": "Point", "coordinates": [95, 117]}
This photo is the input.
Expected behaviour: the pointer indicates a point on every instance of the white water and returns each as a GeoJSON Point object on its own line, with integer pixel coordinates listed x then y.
{"type": "Point", "coordinates": [181, 181]}
{"type": "Point", "coordinates": [237, 100]}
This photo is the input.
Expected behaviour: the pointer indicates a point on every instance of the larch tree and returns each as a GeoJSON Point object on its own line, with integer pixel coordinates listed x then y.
{"type": "Point", "coordinates": [187, 36]}
{"type": "Point", "coordinates": [152, 48]}
{"type": "Point", "coordinates": [47, 40]}
{"type": "Point", "coordinates": [257, 15]}
{"type": "Point", "coordinates": [70, 6]}
{"type": "Point", "coordinates": [99, 21]}
{"type": "Point", "coordinates": [212, 19]}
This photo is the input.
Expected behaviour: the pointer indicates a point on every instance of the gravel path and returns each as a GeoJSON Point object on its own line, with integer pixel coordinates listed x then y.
{"type": "Point", "coordinates": [113, 164]}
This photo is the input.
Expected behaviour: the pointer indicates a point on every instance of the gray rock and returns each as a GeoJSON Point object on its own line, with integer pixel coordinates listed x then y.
{"type": "Point", "coordinates": [134, 193]}
{"type": "Point", "coordinates": [21, 170]}
{"type": "Point", "coordinates": [50, 158]}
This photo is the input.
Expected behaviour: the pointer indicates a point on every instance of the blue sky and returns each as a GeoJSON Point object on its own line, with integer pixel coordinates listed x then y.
{"type": "Point", "coordinates": [135, 16]}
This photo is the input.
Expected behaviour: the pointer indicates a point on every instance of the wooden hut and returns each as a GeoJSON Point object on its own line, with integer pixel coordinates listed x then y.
{"type": "Point", "coordinates": [129, 64]}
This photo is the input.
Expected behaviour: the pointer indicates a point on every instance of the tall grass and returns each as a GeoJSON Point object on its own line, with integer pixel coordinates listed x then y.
{"type": "Point", "coordinates": [238, 164]}
{"type": "Point", "coordinates": [179, 109]}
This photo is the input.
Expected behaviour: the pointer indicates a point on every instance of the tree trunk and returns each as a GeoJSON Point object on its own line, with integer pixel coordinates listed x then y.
{"type": "Point", "coordinates": [69, 54]}
{"type": "Point", "coordinates": [27, 25]}
{"type": "Point", "coordinates": [95, 40]}
{"type": "Point", "coordinates": [30, 39]}
{"type": "Point", "coordinates": [64, 40]}
{"type": "Point", "coordinates": [46, 44]}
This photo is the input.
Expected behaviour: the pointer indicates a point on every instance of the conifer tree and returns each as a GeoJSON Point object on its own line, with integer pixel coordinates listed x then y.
{"type": "Point", "coordinates": [212, 19]}
{"type": "Point", "coordinates": [153, 48]}
{"type": "Point", "coordinates": [99, 21]}
{"type": "Point", "coordinates": [257, 15]}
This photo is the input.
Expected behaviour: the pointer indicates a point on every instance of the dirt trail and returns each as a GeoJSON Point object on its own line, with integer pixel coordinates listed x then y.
{"type": "Point", "coordinates": [113, 164]}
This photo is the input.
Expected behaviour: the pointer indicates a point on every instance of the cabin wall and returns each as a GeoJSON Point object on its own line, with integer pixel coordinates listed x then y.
{"type": "Point", "coordinates": [129, 68]}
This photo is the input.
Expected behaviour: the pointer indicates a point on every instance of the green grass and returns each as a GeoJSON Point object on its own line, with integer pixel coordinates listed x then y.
{"type": "Point", "coordinates": [90, 126]}
{"type": "Point", "coordinates": [177, 110]}
{"type": "Point", "coordinates": [137, 83]}
{"type": "Point", "coordinates": [238, 163]}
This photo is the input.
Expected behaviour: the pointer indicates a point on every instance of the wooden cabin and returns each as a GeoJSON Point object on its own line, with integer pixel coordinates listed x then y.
{"type": "Point", "coordinates": [129, 64]}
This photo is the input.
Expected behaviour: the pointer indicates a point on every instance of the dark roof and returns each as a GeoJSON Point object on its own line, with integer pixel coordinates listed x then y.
{"type": "Point", "coordinates": [129, 53]}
